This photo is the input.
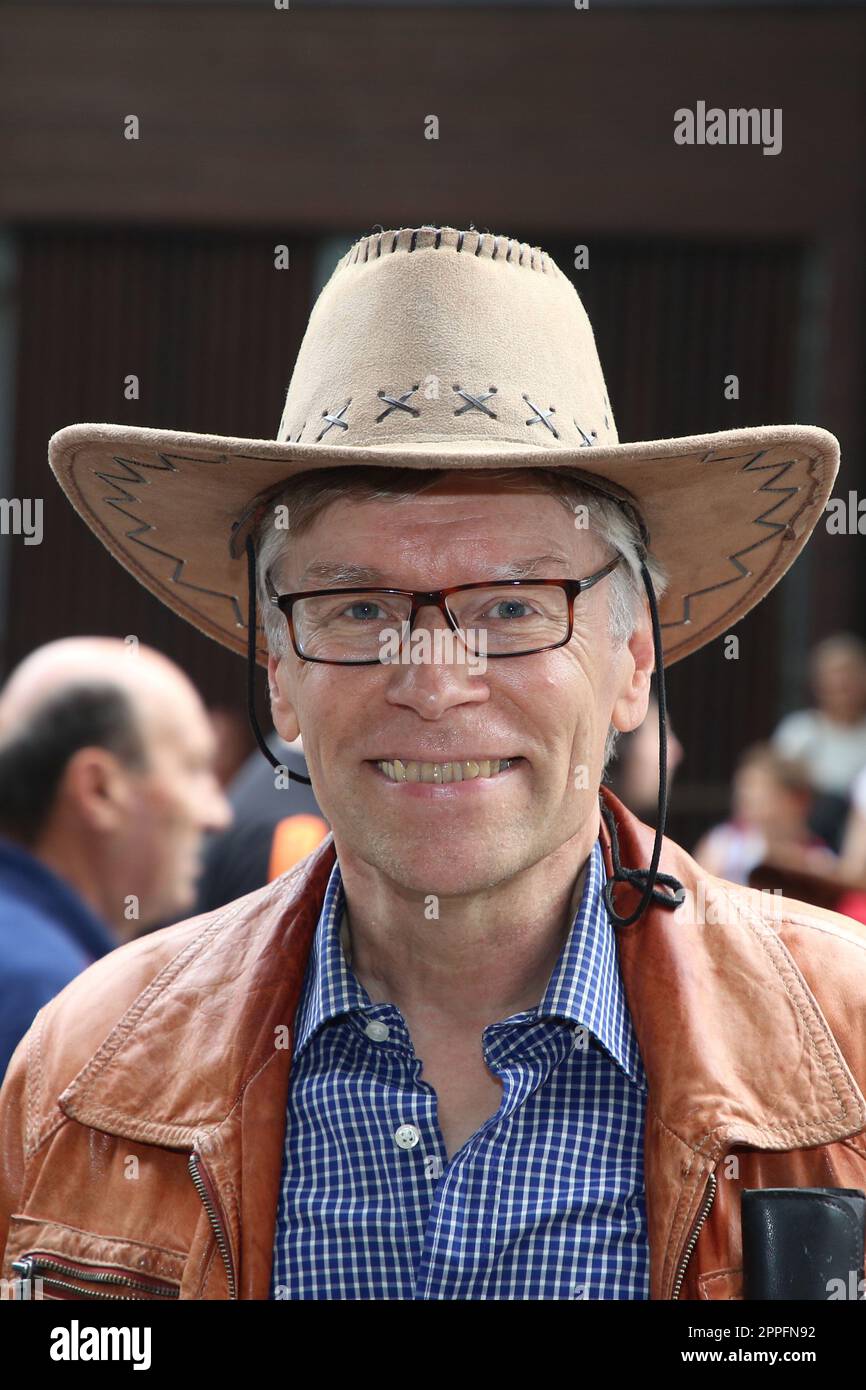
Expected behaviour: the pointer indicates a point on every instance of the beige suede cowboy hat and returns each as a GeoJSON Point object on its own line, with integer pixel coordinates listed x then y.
{"type": "Point", "coordinates": [433, 347]}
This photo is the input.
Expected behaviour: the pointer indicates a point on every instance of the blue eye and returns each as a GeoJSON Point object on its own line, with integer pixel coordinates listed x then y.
{"type": "Point", "coordinates": [361, 604]}
{"type": "Point", "coordinates": [509, 603]}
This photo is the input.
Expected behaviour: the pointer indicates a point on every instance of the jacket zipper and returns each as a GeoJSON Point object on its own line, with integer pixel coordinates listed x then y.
{"type": "Point", "coordinates": [709, 1198]}
{"type": "Point", "coordinates": [33, 1264]}
{"type": "Point", "coordinates": [208, 1197]}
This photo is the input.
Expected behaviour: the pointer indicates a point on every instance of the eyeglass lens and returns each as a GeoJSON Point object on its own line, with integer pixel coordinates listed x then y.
{"type": "Point", "coordinates": [502, 619]}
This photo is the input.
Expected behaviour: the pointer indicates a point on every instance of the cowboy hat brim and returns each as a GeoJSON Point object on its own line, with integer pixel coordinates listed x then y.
{"type": "Point", "coordinates": [727, 513]}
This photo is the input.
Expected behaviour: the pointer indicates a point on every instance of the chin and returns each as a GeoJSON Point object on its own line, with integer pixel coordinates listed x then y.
{"type": "Point", "coordinates": [445, 872]}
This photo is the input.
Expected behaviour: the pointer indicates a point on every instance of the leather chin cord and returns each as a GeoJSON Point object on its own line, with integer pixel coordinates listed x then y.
{"type": "Point", "coordinates": [636, 878]}
{"type": "Point", "coordinates": [251, 667]}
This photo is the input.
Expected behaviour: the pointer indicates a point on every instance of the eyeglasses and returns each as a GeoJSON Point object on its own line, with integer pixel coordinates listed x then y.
{"type": "Point", "coordinates": [512, 617]}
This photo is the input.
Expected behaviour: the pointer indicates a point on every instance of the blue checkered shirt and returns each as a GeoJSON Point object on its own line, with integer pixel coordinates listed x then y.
{"type": "Point", "coordinates": [545, 1200]}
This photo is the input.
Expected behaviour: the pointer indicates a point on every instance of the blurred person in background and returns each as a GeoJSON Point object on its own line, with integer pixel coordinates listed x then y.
{"type": "Point", "coordinates": [265, 838]}
{"type": "Point", "coordinates": [107, 788]}
{"type": "Point", "coordinates": [831, 738]}
{"type": "Point", "coordinates": [771, 797]}
{"type": "Point", "coordinates": [634, 775]}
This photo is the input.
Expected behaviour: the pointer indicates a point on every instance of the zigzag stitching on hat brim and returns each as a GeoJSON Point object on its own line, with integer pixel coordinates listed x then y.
{"type": "Point", "coordinates": [774, 527]}
{"type": "Point", "coordinates": [142, 526]}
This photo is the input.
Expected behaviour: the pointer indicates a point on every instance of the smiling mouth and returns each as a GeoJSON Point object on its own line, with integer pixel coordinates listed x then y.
{"type": "Point", "coordinates": [396, 770]}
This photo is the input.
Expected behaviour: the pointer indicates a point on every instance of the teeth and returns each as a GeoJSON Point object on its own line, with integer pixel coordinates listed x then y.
{"type": "Point", "coordinates": [442, 773]}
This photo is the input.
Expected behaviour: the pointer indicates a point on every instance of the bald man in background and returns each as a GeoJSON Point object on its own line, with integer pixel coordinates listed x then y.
{"type": "Point", "coordinates": [107, 789]}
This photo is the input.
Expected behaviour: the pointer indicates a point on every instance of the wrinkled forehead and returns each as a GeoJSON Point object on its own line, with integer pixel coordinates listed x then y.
{"type": "Point", "coordinates": [508, 546]}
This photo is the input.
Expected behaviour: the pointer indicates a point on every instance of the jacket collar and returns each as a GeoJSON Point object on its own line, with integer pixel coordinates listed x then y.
{"type": "Point", "coordinates": [228, 1000]}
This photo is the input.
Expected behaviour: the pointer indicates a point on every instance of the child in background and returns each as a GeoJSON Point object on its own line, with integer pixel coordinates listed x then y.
{"type": "Point", "coordinates": [771, 797]}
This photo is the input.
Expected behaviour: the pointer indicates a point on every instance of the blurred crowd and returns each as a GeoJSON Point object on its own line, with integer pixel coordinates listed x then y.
{"type": "Point", "coordinates": [126, 804]}
{"type": "Point", "coordinates": [797, 807]}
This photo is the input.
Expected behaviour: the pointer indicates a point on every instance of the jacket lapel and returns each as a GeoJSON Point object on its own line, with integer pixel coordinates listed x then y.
{"type": "Point", "coordinates": [201, 1060]}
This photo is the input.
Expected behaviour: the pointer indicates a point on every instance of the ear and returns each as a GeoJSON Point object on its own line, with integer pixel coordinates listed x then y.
{"type": "Point", "coordinates": [97, 785]}
{"type": "Point", "coordinates": [282, 709]}
{"type": "Point", "coordinates": [635, 663]}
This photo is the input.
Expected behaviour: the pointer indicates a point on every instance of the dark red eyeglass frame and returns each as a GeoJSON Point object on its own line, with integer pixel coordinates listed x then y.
{"type": "Point", "coordinates": [423, 598]}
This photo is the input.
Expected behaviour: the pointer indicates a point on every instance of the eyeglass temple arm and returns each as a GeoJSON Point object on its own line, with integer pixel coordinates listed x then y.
{"type": "Point", "coordinates": [584, 584]}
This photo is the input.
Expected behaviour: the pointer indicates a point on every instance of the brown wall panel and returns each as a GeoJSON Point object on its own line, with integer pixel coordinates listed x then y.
{"type": "Point", "coordinates": [211, 329]}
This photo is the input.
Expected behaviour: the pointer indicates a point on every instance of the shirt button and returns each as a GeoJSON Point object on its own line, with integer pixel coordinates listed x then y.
{"type": "Point", "coordinates": [407, 1136]}
{"type": "Point", "coordinates": [377, 1031]}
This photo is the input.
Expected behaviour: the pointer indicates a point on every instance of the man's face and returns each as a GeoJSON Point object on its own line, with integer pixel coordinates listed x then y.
{"type": "Point", "coordinates": [550, 711]}
{"type": "Point", "coordinates": [763, 803]}
{"type": "Point", "coordinates": [173, 804]}
{"type": "Point", "coordinates": [840, 686]}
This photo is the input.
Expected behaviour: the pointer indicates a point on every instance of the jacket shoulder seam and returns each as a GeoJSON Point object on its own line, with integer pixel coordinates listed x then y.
{"type": "Point", "coordinates": [801, 919]}
{"type": "Point", "coordinates": [819, 919]}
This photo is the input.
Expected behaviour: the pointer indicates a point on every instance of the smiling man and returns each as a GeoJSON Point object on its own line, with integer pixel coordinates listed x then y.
{"type": "Point", "coordinates": [481, 1043]}
{"type": "Point", "coordinates": [462, 805]}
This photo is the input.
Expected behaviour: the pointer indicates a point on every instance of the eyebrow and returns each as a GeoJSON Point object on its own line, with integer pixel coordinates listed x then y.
{"type": "Point", "coordinates": [336, 573]}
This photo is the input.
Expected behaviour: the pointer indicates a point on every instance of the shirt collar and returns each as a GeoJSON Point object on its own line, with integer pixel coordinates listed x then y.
{"type": "Point", "coordinates": [331, 988]}
{"type": "Point", "coordinates": [585, 986]}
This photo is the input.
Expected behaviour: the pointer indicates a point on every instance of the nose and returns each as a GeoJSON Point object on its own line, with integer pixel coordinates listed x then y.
{"type": "Point", "coordinates": [425, 682]}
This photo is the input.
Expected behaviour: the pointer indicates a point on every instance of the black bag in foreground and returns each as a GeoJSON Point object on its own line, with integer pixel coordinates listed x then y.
{"type": "Point", "coordinates": [803, 1243]}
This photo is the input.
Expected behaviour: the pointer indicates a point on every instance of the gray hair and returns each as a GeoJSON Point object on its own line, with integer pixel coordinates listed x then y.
{"type": "Point", "coordinates": [307, 494]}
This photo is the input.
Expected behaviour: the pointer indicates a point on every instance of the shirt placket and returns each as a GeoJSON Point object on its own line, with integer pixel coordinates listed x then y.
{"type": "Point", "coordinates": [462, 1233]}
{"type": "Point", "coordinates": [412, 1121]}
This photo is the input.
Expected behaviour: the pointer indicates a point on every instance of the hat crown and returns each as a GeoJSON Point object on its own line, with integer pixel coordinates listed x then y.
{"type": "Point", "coordinates": [427, 335]}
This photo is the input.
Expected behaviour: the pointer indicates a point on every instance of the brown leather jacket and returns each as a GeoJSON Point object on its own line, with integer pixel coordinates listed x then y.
{"type": "Point", "coordinates": [142, 1118]}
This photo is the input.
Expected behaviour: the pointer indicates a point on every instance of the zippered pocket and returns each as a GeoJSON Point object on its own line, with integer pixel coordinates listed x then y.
{"type": "Point", "coordinates": [67, 1278]}
{"type": "Point", "coordinates": [70, 1262]}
